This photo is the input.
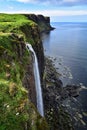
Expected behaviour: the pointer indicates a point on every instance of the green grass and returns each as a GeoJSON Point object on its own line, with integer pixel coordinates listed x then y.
{"type": "Point", "coordinates": [5, 40]}
{"type": "Point", "coordinates": [13, 106]}
{"type": "Point", "coordinates": [17, 23]}
{"type": "Point", "coordinates": [14, 103]}
{"type": "Point", "coordinates": [11, 17]}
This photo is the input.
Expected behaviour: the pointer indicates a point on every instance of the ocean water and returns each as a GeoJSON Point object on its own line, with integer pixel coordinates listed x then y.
{"type": "Point", "coordinates": [68, 44]}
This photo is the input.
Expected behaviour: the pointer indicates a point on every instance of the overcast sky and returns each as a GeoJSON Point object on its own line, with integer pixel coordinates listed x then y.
{"type": "Point", "coordinates": [58, 10]}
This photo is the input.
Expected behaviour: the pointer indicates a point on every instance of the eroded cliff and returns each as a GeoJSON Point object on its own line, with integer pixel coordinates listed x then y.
{"type": "Point", "coordinates": [42, 21]}
{"type": "Point", "coordinates": [17, 87]}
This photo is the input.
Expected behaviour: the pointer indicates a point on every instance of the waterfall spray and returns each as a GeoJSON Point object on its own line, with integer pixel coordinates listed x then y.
{"type": "Point", "coordinates": [37, 81]}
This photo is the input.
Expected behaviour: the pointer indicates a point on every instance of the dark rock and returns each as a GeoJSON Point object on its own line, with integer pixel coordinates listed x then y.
{"type": "Point", "coordinates": [29, 82]}
{"type": "Point", "coordinates": [44, 22]}
{"type": "Point", "coordinates": [53, 95]}
{"type": "Point", "coordinates": [72, 90]}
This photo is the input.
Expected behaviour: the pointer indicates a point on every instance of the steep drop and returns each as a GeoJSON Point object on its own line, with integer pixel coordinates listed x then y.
{"type": "Point", "coordinates": [37, 81]}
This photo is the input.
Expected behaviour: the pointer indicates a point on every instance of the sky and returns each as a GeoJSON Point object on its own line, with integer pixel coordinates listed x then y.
{"type": "Point", "coordinates": [57, 10]}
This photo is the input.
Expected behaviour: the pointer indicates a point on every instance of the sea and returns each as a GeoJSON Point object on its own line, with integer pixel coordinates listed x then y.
{"type": "Point", "coordinates": [67, 46]}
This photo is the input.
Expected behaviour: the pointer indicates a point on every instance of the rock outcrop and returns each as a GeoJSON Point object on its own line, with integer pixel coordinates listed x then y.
{"type": "Point", "coordinates": [42, 21]}
{"type": "Point", "coordinates": [60, 102]}
{"type": "Point", "coordinates": [53, 94]}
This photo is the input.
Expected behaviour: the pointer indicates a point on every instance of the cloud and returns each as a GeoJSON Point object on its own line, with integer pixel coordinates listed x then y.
{"type": "Point", "coordinates": [53, 12]}
{"type": "Point", "coordinates": [56, 2]}
{"type": "Point", "coordinates": [63, 12]}
{"type": "Point", "coordinates": [26, 1]}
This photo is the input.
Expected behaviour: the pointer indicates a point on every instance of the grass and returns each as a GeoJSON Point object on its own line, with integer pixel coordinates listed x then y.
{"type": "Point", "coordinates": [14, 103]}
{"type": "Point", "coordinates": [17, 23]}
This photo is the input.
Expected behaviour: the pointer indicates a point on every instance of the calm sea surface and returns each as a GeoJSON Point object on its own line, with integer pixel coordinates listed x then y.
{"type": "Point", "coordinates": [68, 44]}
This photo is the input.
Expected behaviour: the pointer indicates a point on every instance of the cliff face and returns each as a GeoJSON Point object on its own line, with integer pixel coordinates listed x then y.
{"type": "Point", "coordinates": [16, 77]}
{"type": "Point", "coordinates": [38, 49]}
{"type": "Point", "coordinates": [43, 22]}
{"type": "Point", "coordinates": [43, 25]}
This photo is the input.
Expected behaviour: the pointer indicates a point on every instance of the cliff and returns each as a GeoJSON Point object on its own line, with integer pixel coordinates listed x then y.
{"type": "Point", "coordinates": [42, 21]}
{"type": "Point", "coordinates": [17, 88]}
{"type": "Point", "coordinates": [17, 84]}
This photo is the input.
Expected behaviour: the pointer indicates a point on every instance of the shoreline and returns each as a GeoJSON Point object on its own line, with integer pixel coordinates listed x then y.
{"type": "Point", "coordinates": [56, 97]}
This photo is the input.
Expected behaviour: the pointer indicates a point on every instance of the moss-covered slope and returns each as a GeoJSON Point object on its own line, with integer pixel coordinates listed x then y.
{"type": "Point", "coordinates": [16, 110]}
{"type": "Point", "coordinates": [18, 24]}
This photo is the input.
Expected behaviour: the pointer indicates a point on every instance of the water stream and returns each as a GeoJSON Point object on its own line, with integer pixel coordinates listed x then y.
{"type": "Point", "coordinates": [37, 81]}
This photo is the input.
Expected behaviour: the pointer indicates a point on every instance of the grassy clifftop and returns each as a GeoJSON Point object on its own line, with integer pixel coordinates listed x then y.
{"type": "Point", "coordinates": [16, 110]}
{"type": "Point", "coordinates": [18, 24]}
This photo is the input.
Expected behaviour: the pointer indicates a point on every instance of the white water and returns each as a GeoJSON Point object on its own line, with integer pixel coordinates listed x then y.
{"type": "Point", "coordinates": [37, 81]}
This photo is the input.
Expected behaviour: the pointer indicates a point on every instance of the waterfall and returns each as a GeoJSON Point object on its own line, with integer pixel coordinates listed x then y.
{"type": "Point", "coordinates": [37, 81]}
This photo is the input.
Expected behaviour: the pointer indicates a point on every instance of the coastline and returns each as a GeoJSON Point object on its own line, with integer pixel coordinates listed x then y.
{"type": "Point", "coordinates": [75, 106]}
{"type": "Point", "coordinates": [58, 111]}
